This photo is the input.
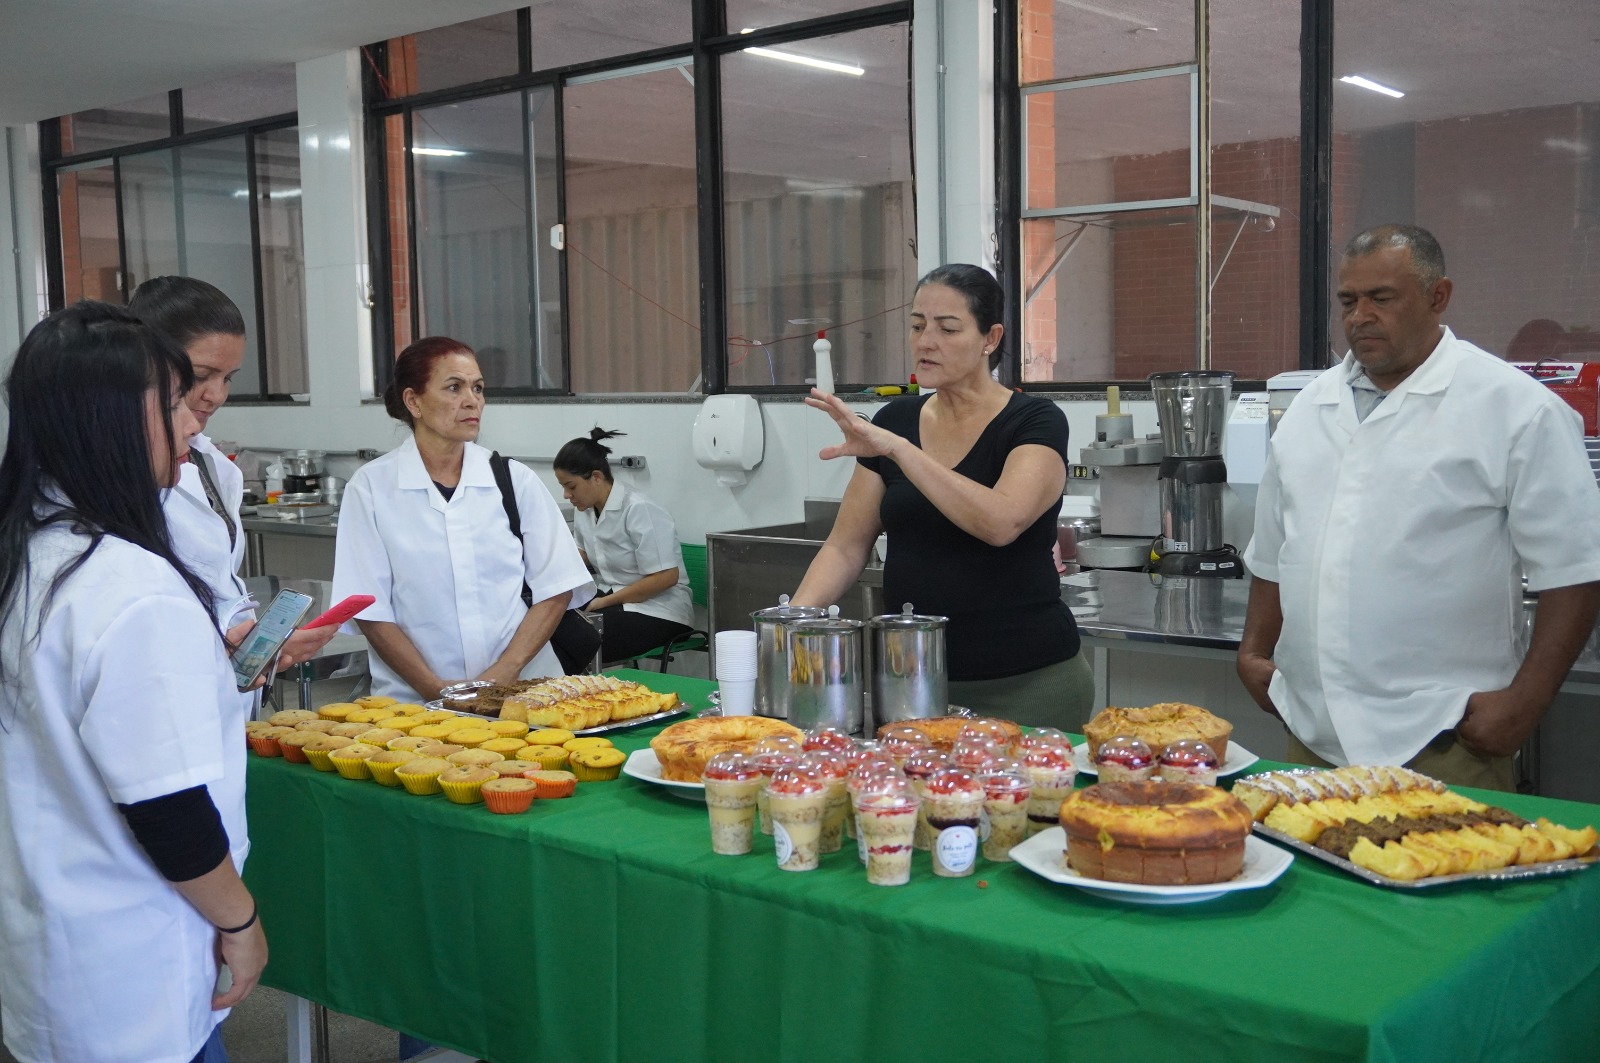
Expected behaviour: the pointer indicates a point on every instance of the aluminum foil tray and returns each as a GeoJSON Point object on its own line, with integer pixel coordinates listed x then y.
{"type": "Point", "coordinates": [1504, 874]}
{"type": "Point", "coordinates": [464, 690]}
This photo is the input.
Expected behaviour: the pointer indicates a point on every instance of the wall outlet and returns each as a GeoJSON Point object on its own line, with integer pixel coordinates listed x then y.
{"type": "Point", "coordinates": [631, 461]}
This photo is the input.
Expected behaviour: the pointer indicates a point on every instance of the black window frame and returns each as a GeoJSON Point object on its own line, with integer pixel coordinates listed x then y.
{"type": "Point", "coordinates": [52, 162]}
{"type": "Point", "coordinates": [1316, 200]}
{"type": "Point", "coordinates": [711, 40]}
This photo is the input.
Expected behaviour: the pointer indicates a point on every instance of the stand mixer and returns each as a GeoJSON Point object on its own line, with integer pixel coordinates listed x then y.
{"type": "Point", "coordinates": [1192, 408]}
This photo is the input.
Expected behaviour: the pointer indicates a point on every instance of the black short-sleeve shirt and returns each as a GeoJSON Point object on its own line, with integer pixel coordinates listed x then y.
{"type": "Point", "coordinates": [1004, 602]}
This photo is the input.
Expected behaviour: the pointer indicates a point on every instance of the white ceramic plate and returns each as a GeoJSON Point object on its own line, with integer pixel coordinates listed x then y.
{"type": "Point", "coordinates": [1044, 855]}
{"type": "Point", "coordinates": [1239, 758]}
{"type": "Point", "coordinates": [643, 765]}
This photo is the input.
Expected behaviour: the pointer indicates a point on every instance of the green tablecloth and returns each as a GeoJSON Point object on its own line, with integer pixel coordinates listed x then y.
{"type": "Point", "coordinates": [603, 928]}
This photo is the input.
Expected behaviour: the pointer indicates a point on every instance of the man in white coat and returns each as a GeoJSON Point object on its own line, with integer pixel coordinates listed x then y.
{"type": "Point", "coordinates": [1408, 491]}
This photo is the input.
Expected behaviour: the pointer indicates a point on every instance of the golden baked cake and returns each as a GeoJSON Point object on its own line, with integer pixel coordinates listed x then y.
{"type": "Point", "coordinates": [684, 747]}
{"type": "Point", "coordinates": [1159, 725]}
{"type": "Point", "coordinates": [942, 731]}
{"type": "Point", "coordinates": [1155, 833]}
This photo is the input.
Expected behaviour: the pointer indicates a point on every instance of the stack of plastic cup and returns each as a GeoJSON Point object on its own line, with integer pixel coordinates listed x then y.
{"type": "Point", "coordinates": [736, 671]}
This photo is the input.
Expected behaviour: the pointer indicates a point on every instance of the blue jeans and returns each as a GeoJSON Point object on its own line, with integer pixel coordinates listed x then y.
{"type": "Point", "coordinates": [212, 1051]}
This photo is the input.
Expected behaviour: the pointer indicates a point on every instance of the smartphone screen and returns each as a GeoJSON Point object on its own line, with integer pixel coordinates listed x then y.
{"type": "Point", "coordinates": [261, 646]}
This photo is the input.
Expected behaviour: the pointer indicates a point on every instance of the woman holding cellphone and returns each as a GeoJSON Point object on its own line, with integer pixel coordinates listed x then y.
{"type": "Point", "coordinates": [121, 734]}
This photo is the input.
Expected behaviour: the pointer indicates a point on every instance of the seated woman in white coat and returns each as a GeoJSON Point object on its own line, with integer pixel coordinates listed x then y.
{"type": "Point", "coordinates": [203, 509]}
{"type": "Point", "coordinates": [632, 544]}
{"type": "Point", "coordinates": [424, 530]}
{"type": "Point", "coordinates": [122, 751]}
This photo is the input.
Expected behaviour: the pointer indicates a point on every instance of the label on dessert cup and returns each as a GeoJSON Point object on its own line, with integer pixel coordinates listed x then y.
{"type": "Point", "coordinates": [781, 842]}
{"type": "Point", "coordinates": [956, 848]}
{"type": "Point", "coordinates": [985, 828]}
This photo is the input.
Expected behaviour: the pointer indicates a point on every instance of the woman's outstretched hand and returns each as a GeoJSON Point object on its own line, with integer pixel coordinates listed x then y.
{"type": "Point", "coordinates": [862, 438]}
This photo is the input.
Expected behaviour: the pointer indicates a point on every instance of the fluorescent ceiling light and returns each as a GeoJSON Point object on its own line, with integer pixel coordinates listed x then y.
{"type": "Point", "coordinates": [1358, 80]}
{"type": "Point", "coordinates": [446, 152]}
{"type": "Point", "coordinates": [806, 60]}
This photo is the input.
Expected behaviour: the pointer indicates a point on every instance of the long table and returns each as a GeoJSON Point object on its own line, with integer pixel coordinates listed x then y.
{"type": "Point", "coordinates": [603, 928]}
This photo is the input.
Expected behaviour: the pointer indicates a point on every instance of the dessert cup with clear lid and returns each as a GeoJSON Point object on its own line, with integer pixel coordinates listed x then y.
{"type": "Point", "coordinates": [1006, 792]}
{"type": "Point", "coordinates": [952, 803]}
{"type": "Point", "coordinates": [797, 798]}
{"type": "Point", "coordinates": [732, 781]}
{"type": "Point", "coordinates": [1188, 760]}
{"type": "Point", "coordinates": [1124, 758]}
{"type": "Point", "coordinates": [886, 821]}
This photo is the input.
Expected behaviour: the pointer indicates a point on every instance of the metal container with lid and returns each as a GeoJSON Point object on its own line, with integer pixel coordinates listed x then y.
{"type": "Point", "coordinates": [910, 680]}
{"type": "Point", "coordinates": [1192, 408]}
{"type": "Point", "coordinates": [772, 653]}
{"type": "Point", "coordinates": [825, 675]}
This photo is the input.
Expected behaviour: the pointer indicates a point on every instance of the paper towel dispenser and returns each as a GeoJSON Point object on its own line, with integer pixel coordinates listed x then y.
{"type": "Point", "coordinates": [729, 437]}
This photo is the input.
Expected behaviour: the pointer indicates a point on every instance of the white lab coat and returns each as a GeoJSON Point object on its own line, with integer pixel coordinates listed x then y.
{"type": "Point", "coordinates": [125, 696]}
{"type": "Point", "coordinates": [199, 536]}
{"type": "Point", "coordinates": [1398, 544]}
{"type": "Point", "coordinates": [449, 573]}
{"type": "Point", "coordinates": [633, 538]}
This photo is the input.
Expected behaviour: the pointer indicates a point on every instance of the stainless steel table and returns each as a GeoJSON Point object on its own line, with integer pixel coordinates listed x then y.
{"type": "Point", "coordinates": [264, 521]}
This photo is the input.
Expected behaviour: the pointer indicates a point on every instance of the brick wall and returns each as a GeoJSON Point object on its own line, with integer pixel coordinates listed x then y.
{"type": "Point", "coordinates": [1039, 350]}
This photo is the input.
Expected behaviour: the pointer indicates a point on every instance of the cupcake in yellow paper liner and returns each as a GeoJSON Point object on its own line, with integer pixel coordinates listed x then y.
{"type": "Point", "coordinates": [376, 701]}
{"type": "Point", "coordinates": [384, 763]}
{"type": "Point", "coordinates": [504, 746]}
{"type": "Point", "coordinates": [474, 758]}
{"type": "Point", "coordinates": [319, 751]}
{"type": "Point", "coordinates": [549, 736]}
{"type": "Point", "coordinates": [596, 765]}
{"type": "Point", "coordinates": [470, 736]}
{"type": "Point", "coordinates": [421, 776]}
{"type": "Point", "coordinates": [572, 745]}
{"type": "Point", "coordinates": [552, 758]}
{"type": "Point", "coordinates": [407, 708]}
{"type": "Point", "coordinates": [507, 728]}
{"type": "Point", "coordinates": [292, 745]}
{"type": "Point", "coordinates": [367, 716]}
{"type": "Point", "coordinates": [351, 761]}
{"type": "Point", "coordinates": [337, 710]}
{"type": "Point", "coordinates": [553, 784]}
{"type": "Point", "coordinates": [399, 723]}
{"type": "Point", "coordinates": [351, 731]}
{"type": "Point", "coordinates": [439, 749]}
{"type": "Point", "coordinates": [290, 717]}
{"type": "Point", "coordinates": [409, 744]}
{"type": "Point", "coordinates": [464, 785]}
{"type": "Point", "coordinates": [505, 768]}
{"type": "Point", "coordinates": [319, 726]}
{"type": "Point", "coordinates": [509, 794]}
{"type": "Point", "coordinates": [436, 731]}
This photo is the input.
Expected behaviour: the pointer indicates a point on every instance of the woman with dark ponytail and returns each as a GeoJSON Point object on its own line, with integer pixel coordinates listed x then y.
{"type": "Point", "coordinates": [632, 545]}
{"type": "Point", "coordinates": [121, 734]}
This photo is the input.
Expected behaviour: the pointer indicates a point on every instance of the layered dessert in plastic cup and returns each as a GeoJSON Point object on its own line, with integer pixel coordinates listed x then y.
{"type": "Point", "coordinates": [1005, 805]}
{"type": "Point", "coordinates": [1125, 759]}
{"type": "Point", "coordinates": [862, 777]}
{"type": "Point", "coordinates": [772, 753]}
{"type": "Point", "coordinates": [991, 730]}
{"type": "Point", "coordinates": [732, 782]}
{"type": "Point", "coordinates": [886, 817]}
{"type": "Point", "coordinates": [1188, 760]}
{"type": "Point", "coordinates": [1051, 771]}
{"type": "Point", "coordinates": [903, 742]}
{"type": "Point", "coordinates": [975, 752]}
{"type": "Point", "coordinates": [917, 768]}
{"type": "Point", "coordinates": [798, 798]}
{"type": "Point", "coordinates": [835, 773]}
{"type": "Point", "coordinates": [952, 802]}
{"type": "Point", "coordinates": [869, 751]}
{"type": "Point", "coordinates": [828, 738]}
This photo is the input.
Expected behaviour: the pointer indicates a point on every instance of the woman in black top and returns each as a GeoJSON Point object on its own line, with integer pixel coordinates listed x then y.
{"type": "Point", "coordinates": [967, 483]}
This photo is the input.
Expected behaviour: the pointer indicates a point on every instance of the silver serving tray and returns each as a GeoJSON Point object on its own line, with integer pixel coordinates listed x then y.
{"type": "Point", "coordinates": [1514, 873]}
{"type": "Point", "coordinates": [614, 725]}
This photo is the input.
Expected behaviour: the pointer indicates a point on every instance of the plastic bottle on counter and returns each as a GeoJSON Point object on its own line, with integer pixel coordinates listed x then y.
{"type": "Point", "coordinates": [274, 474]}
{"type": "Point", "coordinates": [824, 352]}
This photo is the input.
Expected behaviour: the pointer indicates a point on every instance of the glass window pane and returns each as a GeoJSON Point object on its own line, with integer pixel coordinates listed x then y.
{"type": "Point", "coordinates": [1110, 296]}
{"type": "Point", "coordinates": [1108, 143]}
{"type": "Point", "coordinates": [1255, 159]}
{"type": "Point", "coordinates": [150, 215]}
{"type": "Point", "coordinates": [1492, 149]}
{"type": "Point", "coordinates": [112, 127]}
{"type": "Point", "coordinates": [819, 238]}
{"type": "Point", "coordinates": [454, 55]}
{"type": "Point", "coordinates": [470, 174]}
{"type": "Point", "coordinates": [759, 14]}
{"type": "Point", "coordinates": [90, 264]}
{"type": "Point", "coordinates": [283, 260]}
{"type": "Point", "coordinates": [633, 259]}
{"type": "Point", "coordinates": [258, 94]}
{"type": "Point", "coordinates": [1069, 38]}
{"type": "Point", "coordinates": [566, 33]}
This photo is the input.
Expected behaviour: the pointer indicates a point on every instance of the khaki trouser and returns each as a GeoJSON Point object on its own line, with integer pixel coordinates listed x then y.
{"type": "Point", "coordinates": [1446, 760]}
{"type": "Point", "coordinates": [1057, 695]}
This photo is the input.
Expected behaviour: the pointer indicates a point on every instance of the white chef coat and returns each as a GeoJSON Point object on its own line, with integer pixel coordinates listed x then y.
{"type": "Point", "coordinates": [449, 573]}
{"type": "Point", "coordinates": [199, 536]}
{"type": "Point", "coordinates": [1398, 544]}
{"type": "Point", "coordinates": [634, 537]}
{"type": "Point", "coordinates": [125, 696]}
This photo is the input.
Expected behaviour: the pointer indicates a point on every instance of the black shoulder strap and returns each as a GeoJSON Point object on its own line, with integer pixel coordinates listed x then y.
{"type": "Point", "coordinates": [501, 467]}
{"type": "Point", "coordinates": [213, 496]}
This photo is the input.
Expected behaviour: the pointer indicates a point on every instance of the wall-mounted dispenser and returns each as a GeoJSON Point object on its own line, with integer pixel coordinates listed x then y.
{"type": "Point", "coordinates": [729, 437]}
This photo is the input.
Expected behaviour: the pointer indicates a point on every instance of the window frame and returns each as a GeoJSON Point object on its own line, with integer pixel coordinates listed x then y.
{"type": "Point", "coordinates": [52, 163]}
{"type": "Point", "coordinates": [710, 41]}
